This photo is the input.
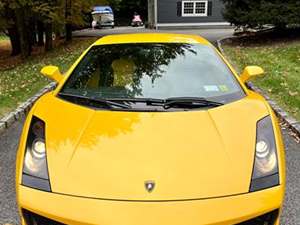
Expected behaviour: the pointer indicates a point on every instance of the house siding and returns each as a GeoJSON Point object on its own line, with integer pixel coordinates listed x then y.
{"type": "Point", "coordinates": [167, 13]}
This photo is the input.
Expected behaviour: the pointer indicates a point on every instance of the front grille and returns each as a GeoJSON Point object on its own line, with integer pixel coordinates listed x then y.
{"type": "Point", "coordinates": [266, 219]}
{"type": "Point", "coordinates": [34, 219]}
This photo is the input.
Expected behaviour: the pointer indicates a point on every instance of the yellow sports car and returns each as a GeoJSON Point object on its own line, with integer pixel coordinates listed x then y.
{"type": "Point", "coordinates": [151, 129]}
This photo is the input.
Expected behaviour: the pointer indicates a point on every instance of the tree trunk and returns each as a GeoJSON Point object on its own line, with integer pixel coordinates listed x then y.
{"type": "Point", "coordinates": [14, 36]}
{"type": "Point", "coordinates": [40, 32]}
{"type": "Point", "coordinates": [49, 41]}
{"type": "Point", "coordinates": [24, 31]}
{"type": "Point", "coordinates": [68, 26]}
{"type": "Point", "coordinates": [68, 32]}
{"type": "Point", "coordinates": [12, 31]}
{"type": "Point", "coordinates": [32, 24]}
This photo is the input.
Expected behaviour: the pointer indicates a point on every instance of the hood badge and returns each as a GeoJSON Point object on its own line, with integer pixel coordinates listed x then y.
{"type": "Point", "coordinates": [149, 185]}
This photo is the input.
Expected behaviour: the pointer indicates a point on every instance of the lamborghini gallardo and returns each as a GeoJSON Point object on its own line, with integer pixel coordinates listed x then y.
{"type": "Point", "coordinates": [151, 129]}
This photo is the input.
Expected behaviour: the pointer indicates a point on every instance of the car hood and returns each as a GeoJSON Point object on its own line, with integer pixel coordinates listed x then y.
{"type": "Point", "coordinates": [188, 155]}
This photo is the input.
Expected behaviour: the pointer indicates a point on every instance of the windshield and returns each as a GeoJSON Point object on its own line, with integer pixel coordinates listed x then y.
{"type": "Point", "coordinates": [153, 70]}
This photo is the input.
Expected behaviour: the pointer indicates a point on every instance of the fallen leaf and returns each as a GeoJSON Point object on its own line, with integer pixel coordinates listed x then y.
{"type": "Point", "coordinates": [291, 93]}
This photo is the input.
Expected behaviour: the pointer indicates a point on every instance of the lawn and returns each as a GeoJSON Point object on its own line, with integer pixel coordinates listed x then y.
{"type": "Point", "coordinates": [24, 80]}
{"type": "Point", "coordinates": [281, 61]}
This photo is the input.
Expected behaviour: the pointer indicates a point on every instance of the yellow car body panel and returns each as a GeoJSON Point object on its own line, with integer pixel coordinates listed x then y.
{"type": "Point", "coordinates": [201, 160]}
{"type": "Point", "coordinates": [137, 147]}
{"type": "Point", "coordinates": [150, 38]}
{"type": "Point", "coordinates": [218, 211]}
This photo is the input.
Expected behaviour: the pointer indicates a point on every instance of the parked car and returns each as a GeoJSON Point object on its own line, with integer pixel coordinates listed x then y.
{"type": "Point", "coordinates": [103, 16]}
{"type": "Point", "coordinates": [149, 129]}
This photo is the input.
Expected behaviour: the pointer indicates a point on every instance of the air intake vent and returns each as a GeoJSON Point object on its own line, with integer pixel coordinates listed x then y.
{"type": "Point", "coordinates": [266, 219]}
{"type": "Point", "coordinates": [34, 219]}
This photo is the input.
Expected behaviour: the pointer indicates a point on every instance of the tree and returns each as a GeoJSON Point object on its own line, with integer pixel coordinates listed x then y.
{"type": "Point", "coordinates": [68, 15]}
{"type": "Point", "coordinates": [24, 20]}
{"type": "Point", "coordinates": [253, 14]}
{"type": "Point", "coordinates": [18, 23]}
{"type": "Point", "coordinates": [47, 16]}
{"type": "Point", "coordinates": [75, 11]}
{"type": "Point", "coordinates": [124, 9]}
{"type": "Point", "coordinates": [8, 25]}
{"type": "Point", "coordinates": [23, 24]}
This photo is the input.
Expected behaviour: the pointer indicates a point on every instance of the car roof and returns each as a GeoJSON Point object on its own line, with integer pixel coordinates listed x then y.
{"type": "Point", "coordinates": [151, 38]}
{"type": "Point", "coordinates": [102, 8]}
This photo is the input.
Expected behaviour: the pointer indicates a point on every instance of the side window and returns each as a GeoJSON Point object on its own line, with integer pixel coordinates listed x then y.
{"type": "Point", "coordinates": [85, 72]}
{"type": "Point", "coordinates": [92, 72]}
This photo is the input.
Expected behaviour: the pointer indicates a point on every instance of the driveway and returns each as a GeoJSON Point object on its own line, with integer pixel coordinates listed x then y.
{"type": "Point", "coordinates": [9, 142]}
{"type": "Point", "coordinates": [211, 34]}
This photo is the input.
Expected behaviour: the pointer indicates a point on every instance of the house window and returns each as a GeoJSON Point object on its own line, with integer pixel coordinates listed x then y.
{"type": "Point", "coordinates": [194, 8]}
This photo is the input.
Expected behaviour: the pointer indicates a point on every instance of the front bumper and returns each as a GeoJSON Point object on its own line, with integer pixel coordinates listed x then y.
{"type": "Point", "coordinates": [218, 211]}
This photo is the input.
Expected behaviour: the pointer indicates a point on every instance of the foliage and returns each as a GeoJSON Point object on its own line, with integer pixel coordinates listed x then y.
{"type": "Point", "coordinates": [29, 22]}
{"type": "Point", "coordinates": [124, 9]}
{"type": "Point", "coordinates": [253, 14]}
{"type": "Point", "coordinates": [281, 62]}
{"type": "Point", "coordinates": [130, 6]}
{"type": "Point", "coordinates": [21, 20]}
{"type": "Point", "coordinates": [3, 37]}
{"type": "Point", "coordinates": [2, 21]}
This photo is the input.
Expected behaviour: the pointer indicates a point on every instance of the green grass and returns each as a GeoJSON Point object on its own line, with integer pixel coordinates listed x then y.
{"type": "Point", "coordinates": [281, 62]}
{"type": "Point", "coordinates": [23, 81]}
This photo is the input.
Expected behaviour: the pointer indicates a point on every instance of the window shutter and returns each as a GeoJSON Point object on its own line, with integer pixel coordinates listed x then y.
{"type": "Point", "coordinates": [179, 9]}
{"type": "Point", "coordinates": [209, 8]}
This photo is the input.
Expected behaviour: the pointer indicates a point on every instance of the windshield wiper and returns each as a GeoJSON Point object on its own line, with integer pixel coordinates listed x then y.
{"type": "Point", "coordinates": [190, 102]}
{"type": "Point", "coordinates": [103, 101]}
{"type": "Point", "coordinates": [149, 101]}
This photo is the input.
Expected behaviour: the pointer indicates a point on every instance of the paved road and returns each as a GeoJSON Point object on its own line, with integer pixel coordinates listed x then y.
{"type": "Point", "coordinates": [8, 146]}
{"type": "Point", "coordinates": [210, 34]}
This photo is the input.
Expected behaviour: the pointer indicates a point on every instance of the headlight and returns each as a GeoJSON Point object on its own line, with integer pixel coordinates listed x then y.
{"type": "Point", "coordinates": [265, 171]}
{"type": "Point", "coordinates": [35, 169]}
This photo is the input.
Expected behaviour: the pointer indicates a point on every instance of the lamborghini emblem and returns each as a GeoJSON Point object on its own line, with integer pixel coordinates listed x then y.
{"type": "Point", "coordinates": [149, 185]}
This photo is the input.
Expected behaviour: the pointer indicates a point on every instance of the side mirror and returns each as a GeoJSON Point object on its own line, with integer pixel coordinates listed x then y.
{"type": "Point", "coordinates": [52, 72]}
{"type": "Point", "coordinates": [250, 72]}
